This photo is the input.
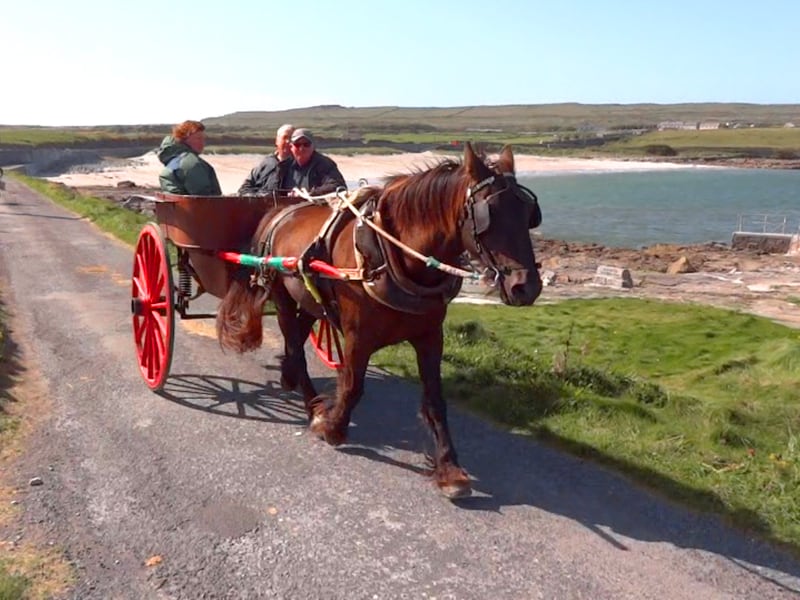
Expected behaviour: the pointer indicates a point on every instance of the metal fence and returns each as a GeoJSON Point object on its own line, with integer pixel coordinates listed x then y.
{"type": "Point", "coordinates": [765, 223]}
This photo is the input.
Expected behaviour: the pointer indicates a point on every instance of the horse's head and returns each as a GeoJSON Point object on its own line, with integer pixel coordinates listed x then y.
{"type": "Point", "coordinates": [498, 214]}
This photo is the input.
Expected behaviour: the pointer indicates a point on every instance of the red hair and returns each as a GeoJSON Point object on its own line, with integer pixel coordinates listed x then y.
{"type": "Point", "coordinates": [181, 131]}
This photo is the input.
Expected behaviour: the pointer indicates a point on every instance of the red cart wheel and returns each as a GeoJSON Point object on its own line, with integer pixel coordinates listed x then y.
{"type": "Point", "coordinates": [325, 339]}
{"type": "Point", "coordinates": [153, 307]}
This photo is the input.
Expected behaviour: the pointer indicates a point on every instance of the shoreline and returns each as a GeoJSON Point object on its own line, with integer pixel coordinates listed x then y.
{"type": "Point", "coordinates": [232, 169]}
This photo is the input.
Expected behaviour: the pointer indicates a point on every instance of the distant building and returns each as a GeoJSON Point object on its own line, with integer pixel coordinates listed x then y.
{"type": "Point", "coordinates": [664, 125]}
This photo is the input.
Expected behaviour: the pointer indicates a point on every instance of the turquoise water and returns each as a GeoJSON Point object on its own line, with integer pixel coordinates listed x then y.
{"type": "Point", "coordinates": [681, 206]}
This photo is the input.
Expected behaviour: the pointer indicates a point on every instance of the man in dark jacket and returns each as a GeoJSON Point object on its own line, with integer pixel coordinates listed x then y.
{"type": "Point", "coordinates": [184, 171]}
{"type": "Point", "coordinates": [310, 170]}
{"type": "Point", "coordinates": [266, 177]}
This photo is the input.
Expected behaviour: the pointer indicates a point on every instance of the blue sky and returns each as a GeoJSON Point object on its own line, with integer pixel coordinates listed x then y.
{"type": "Point", "coordinates": [88, 62]}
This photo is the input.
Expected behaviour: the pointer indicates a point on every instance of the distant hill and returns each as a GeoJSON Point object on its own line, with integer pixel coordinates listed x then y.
{"type": "Point", "coordinates": [334, 120]}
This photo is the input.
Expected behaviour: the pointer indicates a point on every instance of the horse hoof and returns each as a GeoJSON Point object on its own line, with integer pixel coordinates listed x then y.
{"type": "Point", "coordinates": [317, 425]}
{"type": "Point", "coordinates": [334, 438]}
{"type": "Point", "coordinates": [287, 385]}
{"type": "Point", "coordinates": [454, 491]}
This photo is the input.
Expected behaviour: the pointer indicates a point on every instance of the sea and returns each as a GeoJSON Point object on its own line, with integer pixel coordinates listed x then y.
{"type": "Point", "coordinates": [676, 206]}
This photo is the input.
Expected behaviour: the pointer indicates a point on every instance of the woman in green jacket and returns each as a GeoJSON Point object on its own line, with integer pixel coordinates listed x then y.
{"type": "Point", "coordinates": [184, 171]}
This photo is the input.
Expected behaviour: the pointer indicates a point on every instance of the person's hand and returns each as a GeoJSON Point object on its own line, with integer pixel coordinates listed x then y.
{"type": "Point", "coordinates": [296, 193]}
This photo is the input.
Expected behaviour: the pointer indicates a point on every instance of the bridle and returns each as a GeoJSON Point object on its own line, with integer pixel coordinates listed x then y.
{"type": "Point", "coordinates": [476, 220]}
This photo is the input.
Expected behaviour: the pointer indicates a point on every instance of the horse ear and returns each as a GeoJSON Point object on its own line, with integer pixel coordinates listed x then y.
{"type": "Point", "coordinates": [506, 160]}
{"type": "Point", "coordinates": [472, 162]}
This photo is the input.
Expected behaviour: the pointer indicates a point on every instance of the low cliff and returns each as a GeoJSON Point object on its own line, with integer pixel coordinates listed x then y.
{"type": "Point", "coordinates": [51, 161]}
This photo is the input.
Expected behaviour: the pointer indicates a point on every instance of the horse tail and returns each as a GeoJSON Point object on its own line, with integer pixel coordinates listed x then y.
{"type": "Point", "coordinates": [239, 317]}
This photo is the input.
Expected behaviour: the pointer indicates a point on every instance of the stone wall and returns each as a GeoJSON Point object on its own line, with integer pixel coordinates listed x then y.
{"type": "Point", "coordinates": [766, 243]}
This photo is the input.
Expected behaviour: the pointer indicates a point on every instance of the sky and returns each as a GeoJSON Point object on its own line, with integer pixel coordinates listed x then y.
{"type": "Point", "coordinates": [91, 62]}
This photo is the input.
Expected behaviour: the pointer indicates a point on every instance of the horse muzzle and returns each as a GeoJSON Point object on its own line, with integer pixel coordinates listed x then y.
{"type": "Point", "coordinates": [518, 287]}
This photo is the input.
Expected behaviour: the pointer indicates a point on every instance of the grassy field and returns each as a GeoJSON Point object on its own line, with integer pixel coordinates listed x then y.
{"type": "Point", "coordinates": [696, 402]}
{"type": "Point", "coordinates": [509, 118]}
{"type": "Point", "coordinates": [71, 136]}
{"type": "Point", "coordinates": [767, 141]}
{"type": "Point", "coordinates": [531, 128]}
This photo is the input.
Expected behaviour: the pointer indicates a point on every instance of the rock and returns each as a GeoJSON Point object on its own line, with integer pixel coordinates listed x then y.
{"type": "Point", "coordinates": [747, 264]}
{"type": "Point", "coordinates": [126, 184]}
{"type": "Point", "coordinates": [616, 277]}
{"type": "Point", "coordinates": [36, 481]}
{"type": "Point", "coordinates": [682, 265]}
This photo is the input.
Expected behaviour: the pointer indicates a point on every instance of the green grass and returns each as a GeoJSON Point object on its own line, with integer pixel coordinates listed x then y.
{"type": "Point", "coordinates": [511, 119]}
{"type": "Point", "coordinates": [69, 136]}
{"type": "Point", "coordinates": [698, 402]}
{"type": "Point", "coordinates": [12, 586]}
{"type": "Point", "coordinates": [774, 140]}
{"type": "Point", "coordinates": [494, 124]}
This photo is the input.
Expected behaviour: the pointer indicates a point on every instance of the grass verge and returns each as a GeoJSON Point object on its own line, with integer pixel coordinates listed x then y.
{"type": "Point", "coordinates": [697, 402]}
{"type": "Point", "coordinates": [13, 585]}
{"type": "Point", "coordinates": [121, 223]}
{"type": "Point", "coordinates": [27, 569]}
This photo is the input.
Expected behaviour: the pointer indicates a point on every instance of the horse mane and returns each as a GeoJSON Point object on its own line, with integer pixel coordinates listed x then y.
{"type": "Point", "coordinates": [422, 196]}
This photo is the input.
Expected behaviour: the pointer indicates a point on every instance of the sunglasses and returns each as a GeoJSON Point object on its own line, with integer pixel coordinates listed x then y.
{"type": "Point", "coordinates": [301, 144]}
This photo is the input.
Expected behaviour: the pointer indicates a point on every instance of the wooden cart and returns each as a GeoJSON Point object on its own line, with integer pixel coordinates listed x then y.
{"type": "Point", "coordinates": [208, 234]}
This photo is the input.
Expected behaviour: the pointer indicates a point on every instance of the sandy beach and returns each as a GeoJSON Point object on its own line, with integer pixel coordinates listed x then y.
{"type": "Point", "coordinates": [233, 168]}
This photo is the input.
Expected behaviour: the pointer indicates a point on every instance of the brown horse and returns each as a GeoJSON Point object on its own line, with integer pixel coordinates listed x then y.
{"type": "Point", "coordinates": [453, 207]}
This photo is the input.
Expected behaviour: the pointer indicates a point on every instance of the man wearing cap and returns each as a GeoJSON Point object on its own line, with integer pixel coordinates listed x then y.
{"type": "Point", "coordinates": [266, 177]}
{"type": "Point", "coordinates": [310, 170]}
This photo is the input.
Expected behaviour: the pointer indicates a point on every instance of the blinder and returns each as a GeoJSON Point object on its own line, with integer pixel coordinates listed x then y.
{"type": "Point", "coordinates": [477, 219]}
{"type": "Point", "coordinates": [480, 216]}
{"type": "Point", "coordinates": [479, 209]}
{"type": "Point", "coordinates": [535, 219]}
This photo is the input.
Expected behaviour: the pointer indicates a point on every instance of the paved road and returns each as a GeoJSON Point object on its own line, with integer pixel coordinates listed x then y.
{"type": "Point", "coordinates": [218, 477]}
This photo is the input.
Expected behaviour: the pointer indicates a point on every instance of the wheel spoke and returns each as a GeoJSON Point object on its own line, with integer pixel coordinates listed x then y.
{"type": "Point", "coordinates": [159, 321]}
{"type": "Point", "coordinates": [326, 343]}
{"type": "Point", "coordinates": [326, 327]}
{"type": "Point", "coordinates": [140, 287]}
{"type": "Point", "coordinates": [156, 347]}
{"type": "Point", "coordinates": [141, 270]}
{"type": "Point", "coordinates": [339, 353]}
{"type": "Point", "coordinates": [138, 331]}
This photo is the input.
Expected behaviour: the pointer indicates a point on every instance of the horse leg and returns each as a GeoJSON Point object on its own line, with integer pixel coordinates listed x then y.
{"type": "Point", "coordinates": [295, 325]}
{"type": "Point", "coordinates": [451, 479]}
{"type": "Point", "coordinates": [331, 425]}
